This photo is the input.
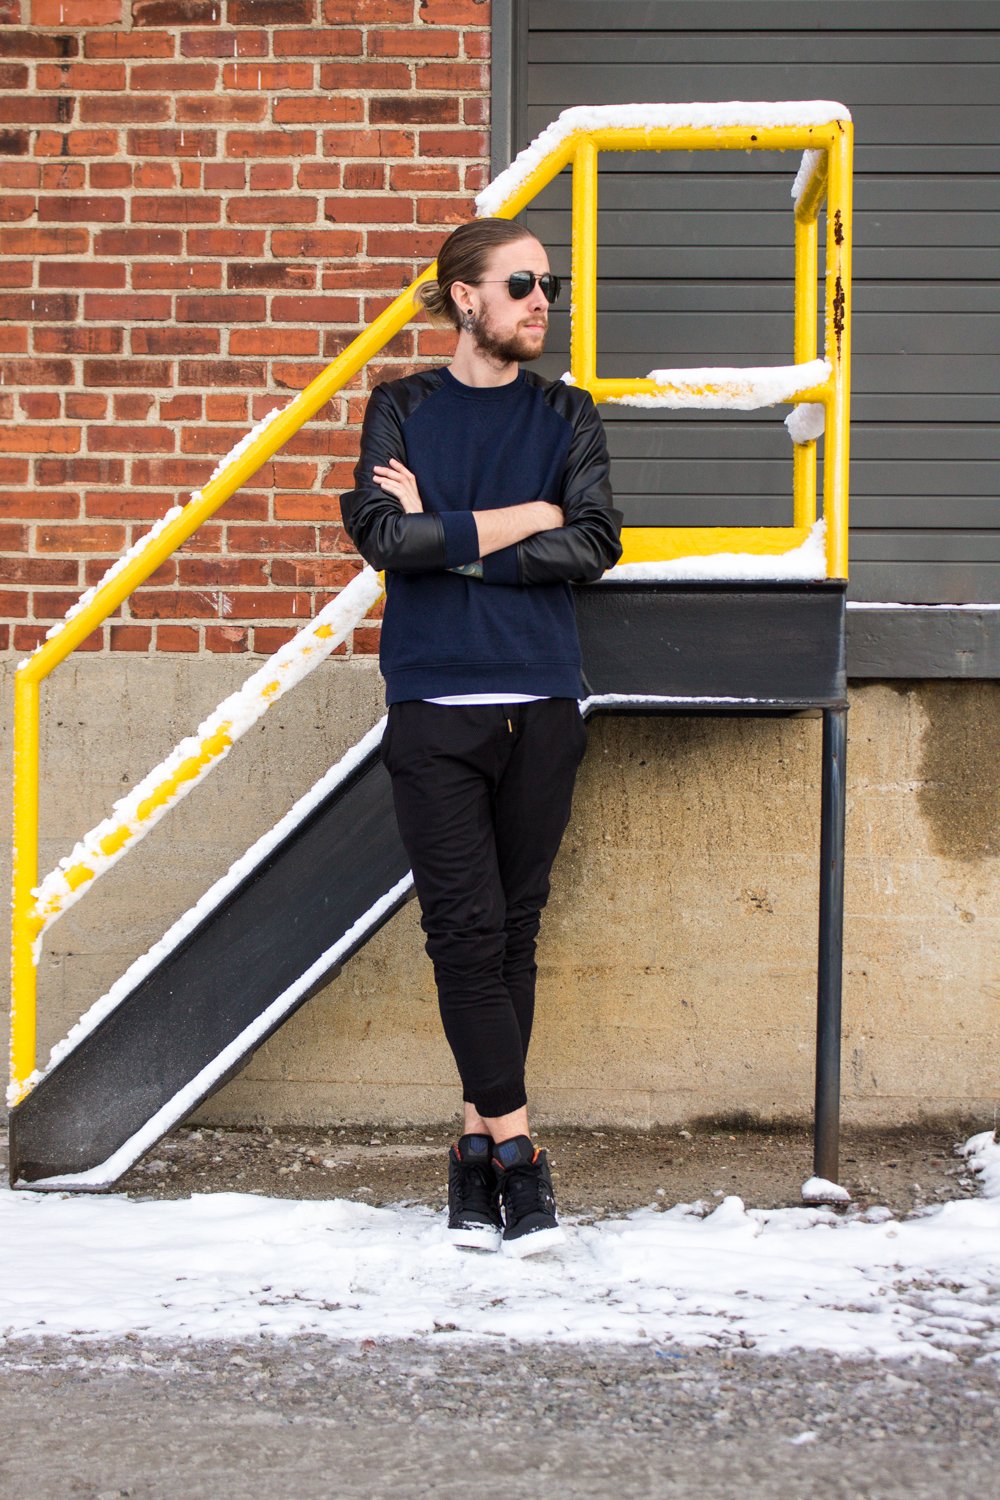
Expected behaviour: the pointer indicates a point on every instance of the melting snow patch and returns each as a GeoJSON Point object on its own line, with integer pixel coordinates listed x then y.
{"type": "Point", "coordinates": [821, 1190]}
{"type": "Point", "coordinates": [805, 422]}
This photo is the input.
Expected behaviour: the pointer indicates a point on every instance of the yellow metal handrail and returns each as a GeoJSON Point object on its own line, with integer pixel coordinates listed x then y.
{"type": "Point", "coordinates": [580, 148]}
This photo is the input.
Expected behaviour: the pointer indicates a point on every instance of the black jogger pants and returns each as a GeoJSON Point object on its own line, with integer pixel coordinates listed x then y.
{"type": "Point", "coordinates": [482, 796]}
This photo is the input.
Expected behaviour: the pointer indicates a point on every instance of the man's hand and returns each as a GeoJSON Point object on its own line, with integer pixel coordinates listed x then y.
{"type": "Point", "coordinates": [398, 480]}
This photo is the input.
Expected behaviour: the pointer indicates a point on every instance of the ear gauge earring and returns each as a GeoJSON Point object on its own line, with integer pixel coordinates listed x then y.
{"type": "Point", "coordinates": [468, 320]}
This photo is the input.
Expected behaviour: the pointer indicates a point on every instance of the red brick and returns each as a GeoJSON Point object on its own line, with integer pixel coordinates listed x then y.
{"type": "Point", "coordinates": [334, 539]}
{"type": "Point", "coordinates": [418, 177]}
{"type": "Point", "coordinates": [62, 273]}
{"type": "Point", "coordinates": [36, 570]}
{"type": "Point", "coordinates": [420, 245]}
{"type": "Point", "coordinates": [40, 406]}
{"type": "Point", "coordinates": [13, 605]}
{"type": "Point", "coordinates": [85, 405]}
{"type": "Point", "coordinates": [245, 143]}
{"type": "Point", "coordinates": [436, 42]}
{"type": "Point", "coordinates": [173, 471]}
{"type": "Point", "coordinates": [125, 372]}
{"type": "Point", "coordinates": [209, 439]}
{"type": "Point", "coordinates": [321, 573]}
{"type": "Point", "coordinates": [458, 78]}
{"type": "Point", "coordinates": [314, 309]}
{"type": "Point", "coordinates": [476, 43]}
{"type": "Point", "coordinates": [267, 639]}
{"type": "Point", "coordinates": [176, 638]}
{"type": "Point", "coordinates": [126, 506]}
{"type": "Point", "coordinates": [383, 209]}
{"type": "Point", "coordinates": [225, 176]}
{"type": "Point", "coordinates": [475, 176]}
{"type": "Point", "coordinates": [365, 641]}
{"type": "Point", "coordinates": [185, 210]}
{"type": "Point", "coordinates": [171, 143]}
{"type": "Point", "coordinates": [258, 76]}
{"type": "Point", "coordinates": [271, 12]}
{"type": "Point", "coordinates": [130, 43]}
{"type": "Point", "coordinates": [363, 175]}
{"type": "Point", "coordinates": [318, 507]}
{"type": "Point", "coordinates": [289, 475]}
{"type": "Point", "coordinates": [80, 538]}
{"type": "Point", "coordinates": [316, 242]}
{"type": "Point", "coordinates": [226, 407]}
{"type": "Point", "coordinates": [173, 604]}
{"type": "Point", "coordinates": [175, 341]}
{"type": "Point", "coordinates": [131, 637]}
{"type": "Point", "coordinates": [174, 77]}
{"type": "Point", "coordinates": [379, 12]}
{"type": "Point", "coordinates": [13, 470]}
{"type": "Point", "coordinates": [45, 109]}
{"type": "Point", "coordinates": [368, 74]}
{"type": "Point", "coordinates": [223, 309]}
{"type": "Point", "coordinates": [223, 242]}
{"type": "Point", "coordinates": [333, 109]}
{"type": "Point", "coordinates": [281, 341]}
{"type": "Point", "coordinates": [87, 210]}
{"type": "Point", "coordinates": [220, 109]}
{"type": "Point", "coordinates": [224, 43]}
{"type": "Point", "coordinates": [176, 12]}
{"type": "Point", "coordinates": [79, 470]}
{"type": "Point", "coordinates": [79, 78]}
{"type": "Point", "coordinates": [136, 242]}
{"type": "Point", "coordinates": [444, 210]}
{"type": "Point", "coordinates": [226, 638]}
{"type": "Point", "coordinates": [277, 274]}
{"type": "Point", "coordinates": [76, 13]}
{"type": "Point", "coordinates": [13, 209]}
{"type": "Point", "coordinates": [362, 278]}
{"type": "Point", "coordinates": [295, 210]}
{"type": "Point", "coordinates": [124, 109]}
{"type": "Point", "coordinates": [316, 42]}
{"type": "Point", "coordinates": [30, 504]}
{"type": "Point", "coordinates": [271, 539]}
{"type": "Point", "coordinates": [140, 439]}
{"type": "Point", "coordinates": [407, 109]}
{"type": "Point", "coordinates": [455, 12]}
{"type": "Point", "coordinates": [272, 176]}
{"type": "Point", "coordinates": [13, 340]}
{"type": "Point", "coordinates": [476, 111]}
{"type": "Point", "coordinates": [78, 340]}
{"type": "Point", "coordinates": [289, 377]}
{"type": "Point", "coordinates": [180, 409]}
{"type": "Point", "coordinates": [15, 539]}
{"type": "Point", "coordinates": [234, 372]}
{"type": "Point", "coordinates": [222, 573]}
{"type": "Point", "coordinates": [322, 174]}
{"type": "Point", "coordinates": [433, 343]}
{"type": "Point", "coordinates": [16, 273]}
{"type": "Point", "coordinates": [380, 143]}
{"type": "Point", "coordinates": [36, 372]}
{"type": "Point", "coordinates": [28, 637]}
{"type": "Point", "coordinates": [153, 176]}
{"type": "Point", "coordinates": [19, 174]}
{"type": "Point", "coordinates": [33, 44]}
{"type": "Point", "coordinates": [132, 406]}
{"type": "Point", "coordinates": [129, 308]}
{"type": "Point", "coordinates": [150, 274]}
{"type": "Point", "coordinates": [14, 76]}
{"type": "Point", "coordinates": [109, 175]}
{"type": "Point", "coordinates": [48, 307]}
{"type": "Point", "coordinates": [454, 143]}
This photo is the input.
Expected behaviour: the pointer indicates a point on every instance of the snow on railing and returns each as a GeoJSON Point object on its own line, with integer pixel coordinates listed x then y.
{"type": "Point", "coordinates": [746, 389]}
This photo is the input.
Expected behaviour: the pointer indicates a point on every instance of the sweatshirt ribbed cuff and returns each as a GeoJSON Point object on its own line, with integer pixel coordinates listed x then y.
{"type": "Point", "coordinates": [502, 566]}
{"type": "Point", "coordinates": [461, 538]}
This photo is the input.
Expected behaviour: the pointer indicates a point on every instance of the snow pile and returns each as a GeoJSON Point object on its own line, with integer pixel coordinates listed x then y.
{"type": "Point", "coordinates": [698, 116]}
{"type": "Point", "coordinates": [822, 1190]}
{"type": "Point", "coordinates": [232, 1266]}
{"type": "Point", "coordinates": [719, 387]}
{"type": "Point", "coordinates": [806, 421]}
{"type": "Point", "coordinates": [805, 562]}
{"type": "Point", "coordinates": [134, 815]}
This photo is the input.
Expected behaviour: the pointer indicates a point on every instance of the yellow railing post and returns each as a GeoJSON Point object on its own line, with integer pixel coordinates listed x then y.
{"type": "Point", "coordinates": [836, 448]}
{"type": "Point", "coordinates": [583, 313]}
{"type": "Point", "coordinates": [23, 988]}
{"type": "Point", "coordinates": [806, 311]}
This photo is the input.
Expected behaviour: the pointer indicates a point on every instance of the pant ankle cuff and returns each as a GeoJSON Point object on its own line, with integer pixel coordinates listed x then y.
{"type": "Point", "coordinates": [500, 1101]}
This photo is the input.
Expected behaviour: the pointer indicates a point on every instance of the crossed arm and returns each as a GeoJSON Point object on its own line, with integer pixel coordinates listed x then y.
{"type": "Point", "coordinates": [496, 528]}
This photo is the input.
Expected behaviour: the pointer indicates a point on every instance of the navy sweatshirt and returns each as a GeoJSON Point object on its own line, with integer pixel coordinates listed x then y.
{"type": "Point", "coordinates": [479, 448]}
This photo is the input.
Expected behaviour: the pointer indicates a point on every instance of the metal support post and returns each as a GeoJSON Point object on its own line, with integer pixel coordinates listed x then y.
{"type": "Point", "coordinates": [831, 944]}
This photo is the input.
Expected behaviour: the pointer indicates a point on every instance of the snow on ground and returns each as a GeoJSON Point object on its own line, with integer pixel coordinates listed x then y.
{"type": "Point", "coordinates": [232, 1266]}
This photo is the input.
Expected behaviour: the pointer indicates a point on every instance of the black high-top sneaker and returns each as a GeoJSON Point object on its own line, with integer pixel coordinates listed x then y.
{"type": "Point", "coordinates": [473, 1208]}
{"type": "Point", "coordinates": [529, 1205]}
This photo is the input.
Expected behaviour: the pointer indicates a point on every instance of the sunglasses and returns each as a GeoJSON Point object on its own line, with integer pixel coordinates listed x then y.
{"type": "Point", "coordinates": [521, 284]}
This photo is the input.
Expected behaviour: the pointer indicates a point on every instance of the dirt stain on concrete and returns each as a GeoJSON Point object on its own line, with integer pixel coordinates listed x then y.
{"type": "Point", "coordinates": [959, 790]}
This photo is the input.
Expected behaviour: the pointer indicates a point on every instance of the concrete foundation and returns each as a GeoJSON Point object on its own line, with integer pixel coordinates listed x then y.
{"type": "Point", "coordinates": [677, 959]}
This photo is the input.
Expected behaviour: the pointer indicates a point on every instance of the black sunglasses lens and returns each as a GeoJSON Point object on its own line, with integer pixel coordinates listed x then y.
{"type": "Point", "coordinates": [520, 284]}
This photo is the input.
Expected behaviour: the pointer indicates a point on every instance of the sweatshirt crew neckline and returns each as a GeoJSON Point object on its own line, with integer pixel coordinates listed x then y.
{"type": "Point", "coordinates": [481, 392]}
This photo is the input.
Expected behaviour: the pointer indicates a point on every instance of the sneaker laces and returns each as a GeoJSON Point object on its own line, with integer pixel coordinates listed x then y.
{"type": "Point", "coordinates": [525, 1191]}
{"type": "Point", "coordinates": [475, 1185]}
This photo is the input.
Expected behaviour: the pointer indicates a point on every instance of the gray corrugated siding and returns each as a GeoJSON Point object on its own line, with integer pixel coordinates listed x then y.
{"type": "Point", "coordinates": [696, 263]}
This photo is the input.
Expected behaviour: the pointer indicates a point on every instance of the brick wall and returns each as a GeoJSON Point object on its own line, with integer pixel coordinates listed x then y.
{"type": "Point", "coordinates": [201, 202]}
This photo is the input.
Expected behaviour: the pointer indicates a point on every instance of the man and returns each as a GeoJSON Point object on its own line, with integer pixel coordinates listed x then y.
{"type": "Point", "coordinates": [483, 491]}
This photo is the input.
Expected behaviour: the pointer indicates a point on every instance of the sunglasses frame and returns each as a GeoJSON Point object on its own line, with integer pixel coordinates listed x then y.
{"type": "Point", "coordinates": [550, 276]}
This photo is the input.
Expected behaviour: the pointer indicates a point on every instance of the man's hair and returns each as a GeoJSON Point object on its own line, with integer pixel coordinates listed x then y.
{"type": "Point", "coordinates": [463, 257]}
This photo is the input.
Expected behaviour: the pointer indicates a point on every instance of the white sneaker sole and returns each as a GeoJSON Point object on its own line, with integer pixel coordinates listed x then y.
{"type": "Point", "coordinates": [474, 1239]}
{"type": "Point", "coordinates": [534, 1244]}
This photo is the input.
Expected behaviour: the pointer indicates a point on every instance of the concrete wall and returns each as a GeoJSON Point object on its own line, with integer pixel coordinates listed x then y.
{"type": "Point", "coordinates": [677, 957]}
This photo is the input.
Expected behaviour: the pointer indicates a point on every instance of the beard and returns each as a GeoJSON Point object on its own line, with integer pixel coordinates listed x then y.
{"type": "Point", "coordinates": [515, 348]}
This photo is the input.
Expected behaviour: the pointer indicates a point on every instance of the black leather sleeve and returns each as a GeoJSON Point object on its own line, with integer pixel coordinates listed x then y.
{"type": "Point", "coordinates": [384, 534]}
{"type": "Point", "coordinates": [590, 541]}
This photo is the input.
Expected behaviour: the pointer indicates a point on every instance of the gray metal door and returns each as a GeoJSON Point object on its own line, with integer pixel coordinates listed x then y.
{"type": "Point", "coordinates": [695, 262]}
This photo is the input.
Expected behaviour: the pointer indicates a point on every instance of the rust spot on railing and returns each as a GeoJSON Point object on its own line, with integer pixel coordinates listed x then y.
{"type": "Point", "coordinates": [838, 229]}
{"type": "Point", "coordinates": [838, 312]}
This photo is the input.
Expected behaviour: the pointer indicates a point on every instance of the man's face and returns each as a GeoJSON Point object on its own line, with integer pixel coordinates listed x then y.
{"type": "Point", "coordinates": [507, 329]}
